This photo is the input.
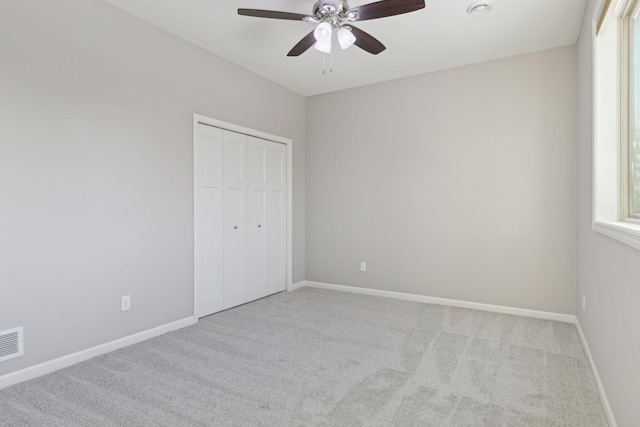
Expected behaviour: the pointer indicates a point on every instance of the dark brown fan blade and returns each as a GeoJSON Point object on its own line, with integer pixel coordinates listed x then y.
{"type": "Point", "coordinates": [303, 45]}
{"type": "Point", "coordinates": [366, 41]}
{"type": "Point", "coordinates": [271, 14]}
{"type": "Point", "coordinates": [385, 8]}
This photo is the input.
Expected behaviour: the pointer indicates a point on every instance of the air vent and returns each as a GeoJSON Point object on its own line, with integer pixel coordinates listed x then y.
{"type": "Point", "coordinates": [11, 344]}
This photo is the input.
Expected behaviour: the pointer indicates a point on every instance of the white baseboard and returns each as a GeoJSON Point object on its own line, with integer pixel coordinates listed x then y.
{"type": "Point", "coordinates": [568, 318]}
{"type": "Point", "coordinates": [80, 356]}
{"type": "Point", "coordinates": [295, 286]}
{"type": "Point", "coordinates": [596, 376]}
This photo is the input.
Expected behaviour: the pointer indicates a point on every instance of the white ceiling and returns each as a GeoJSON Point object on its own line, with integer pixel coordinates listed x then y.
{"type": "Point", "coordinates": [440, 36]}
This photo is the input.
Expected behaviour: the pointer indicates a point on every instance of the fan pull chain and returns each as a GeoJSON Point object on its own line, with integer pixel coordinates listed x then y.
{"type": "Point", "coordinates": [324, 63]}
{"type": "Point", "coordinates": [331, 61]}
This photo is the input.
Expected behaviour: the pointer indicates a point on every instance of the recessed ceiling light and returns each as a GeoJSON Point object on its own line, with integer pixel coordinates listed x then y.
{"type": "Point", "coordinates": [479, 7]}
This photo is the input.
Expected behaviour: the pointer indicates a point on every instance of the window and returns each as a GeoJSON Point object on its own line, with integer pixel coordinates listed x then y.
{"type": "Point", "coordinates": [634, 115]}
{"type": "Point", "coordinates": [616, 210]}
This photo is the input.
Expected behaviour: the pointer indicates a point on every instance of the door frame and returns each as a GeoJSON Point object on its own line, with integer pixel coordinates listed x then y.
{"type": "Point", "coordinates": [199, 119]}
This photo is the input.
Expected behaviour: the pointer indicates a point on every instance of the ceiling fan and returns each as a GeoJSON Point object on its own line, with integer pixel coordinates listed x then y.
{"type": "Point", "coordinates": [336, 15]}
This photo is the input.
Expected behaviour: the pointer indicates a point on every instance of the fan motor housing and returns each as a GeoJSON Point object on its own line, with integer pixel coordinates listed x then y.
{"type": "Point", "coordinates": [339, 6]}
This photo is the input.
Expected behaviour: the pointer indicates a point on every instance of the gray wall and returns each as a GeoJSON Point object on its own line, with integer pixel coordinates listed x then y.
{"type": "Point", "coordinates": [457, 184]}
{"type": "Point", "coordinates": [96, 194]}
{"type": "Point", "coordinates": [608, 271]}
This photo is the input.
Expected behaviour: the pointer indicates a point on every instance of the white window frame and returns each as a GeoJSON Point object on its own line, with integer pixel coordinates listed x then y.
{"type": "Point", "coordinates": [611, 108]}
{"type": "Point", "coordinates": [627, 89]}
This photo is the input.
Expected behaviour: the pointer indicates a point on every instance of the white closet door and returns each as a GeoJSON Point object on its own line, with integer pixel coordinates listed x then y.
{"type": "Point", "coordinates": [236, 291]}
{"type": "Point", "coordinates": [256, 228]}
{"type": "Point", "coordinates": [276, 168]}
{"type": "Point", "coordinates": [208, 248]}
{"type": "Point", "coordinates": [240, 231]}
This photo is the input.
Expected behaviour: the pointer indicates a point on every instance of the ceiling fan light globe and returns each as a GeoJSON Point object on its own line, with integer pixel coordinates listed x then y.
{"type": "Point", "coordinates": [346, 38]}
{"type": "Point", "coordinates": [323, 32]}
{"type": "Point", "coordinates": [323, 46]}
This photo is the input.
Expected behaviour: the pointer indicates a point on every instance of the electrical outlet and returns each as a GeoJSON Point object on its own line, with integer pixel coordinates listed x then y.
{"type": "Point", "coordinates": [125, 303]}
{"type": "Point", "coordinates": [584, 303]}
{"type": "Point", "coordinates": [363, 266]}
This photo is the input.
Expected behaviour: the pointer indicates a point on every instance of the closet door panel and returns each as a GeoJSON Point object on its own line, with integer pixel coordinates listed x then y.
{"type": "Point", "coordinates": [211, 265]}
{"type": "Point", "coordinates": [256, 250]}
{"type": "Point", "coordinates": [275, 255]}
{"type": "Point", "coordinates": [235, 221]}
{"type": "Point", "coordinates": [256, 247]}
{"type": "Point", "coordinates": [208, 187]}
{"type": "Point", "coordinates": [235, 153]}
{"type": "Point", "coordinates": [276, 166]}
{"type": "Point", "coordinates": [276, 224]}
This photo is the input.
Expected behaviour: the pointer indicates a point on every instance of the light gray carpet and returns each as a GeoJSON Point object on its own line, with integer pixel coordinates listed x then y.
{"type": "Point", "coordinates": [324, 358]}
